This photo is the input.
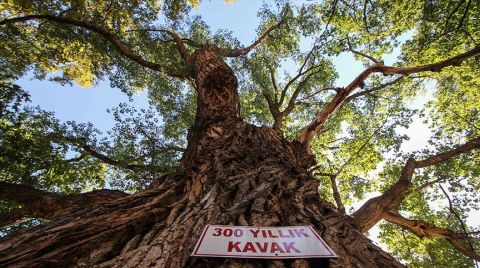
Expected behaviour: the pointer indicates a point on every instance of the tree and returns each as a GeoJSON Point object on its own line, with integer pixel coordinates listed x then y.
{"type": "Point", "coordinates": [319, 148]}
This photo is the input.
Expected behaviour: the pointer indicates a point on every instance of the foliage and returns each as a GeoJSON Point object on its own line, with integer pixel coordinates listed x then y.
{"type": "Point", "coordinates": [38, 150]}
{"type": "Point", "coordinates": [361, 146]}
{"type": "Point", "coordinates": [34, 150]}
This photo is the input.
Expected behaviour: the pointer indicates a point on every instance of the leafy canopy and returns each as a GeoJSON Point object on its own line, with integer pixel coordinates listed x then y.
{"type": "Point", "coordinates": [284, 82]}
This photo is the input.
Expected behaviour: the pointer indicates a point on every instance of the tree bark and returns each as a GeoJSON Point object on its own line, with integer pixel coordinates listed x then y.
{"type": "Point", "coordinates": [40, 204]}
{"type": "Point", "coordinates": [424, 229]}
{"type": "Point", "coordinates": [231, 173]}
{"type": "Point", "coordinates": [375, 208]}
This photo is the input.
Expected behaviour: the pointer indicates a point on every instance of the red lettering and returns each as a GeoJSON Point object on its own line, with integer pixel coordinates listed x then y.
{"type": "Point", "coordinates": [264, 233]}
{"type": "Point", "coordinates": [249, 247]}
{"type": "Point", "coordinates": [227, 232]}
{"type": "Point", "coordinates": [282, 235]}
{"type": "Point", "coordinates": [300, 232]}
{"type": "Point", "coordinates": [276, 247]}
{"type": "Point", "coordinates": [238, 232]}
{"type": "Point", "coordinates": [262, 249]}
{"type": "Point", "coordinates": [233, 246]}
{"type": "Point", "coordinates": [255, 232]}
{"type": "Point", "coordinates": [218, 232]}
{"type": "Point", "coordinates": [271, 235]}
{"type": "Point", "coordinates": [290, 246]}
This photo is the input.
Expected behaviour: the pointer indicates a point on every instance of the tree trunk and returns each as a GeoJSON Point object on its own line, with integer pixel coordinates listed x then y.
{"type": "Point", "coordinates": [231, 173]}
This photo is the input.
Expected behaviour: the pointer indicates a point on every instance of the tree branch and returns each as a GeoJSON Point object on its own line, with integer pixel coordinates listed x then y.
{"type": "Point", "coordinates": [317, 92]}
{"type": "Point", "coordinates": [289, 83]}
{"type": "Point", "coordinates": [424, 229]}
{"type": "Point", "coordinates": [292, 101]}
{"type": "Point", "coordinates": [462, 224]}
{"type": "Point", "coordinates": [373, 89]}
{"type": "Point", "coordinates": [318, 123]}
{"type": "Point", "coordinates": [47, 205]}
{"type": "Point", "coordinates": [442, 157]}
{"type": "Point", "coordinates": [336, 194]}
{"type": "Point", "coordinates": [350, 48]}
{"type": "Point", "coordinates": [229, 52]}
{"type": "Point", "coordinates": [462, 248]}
{"type": "Point", "coordinates": [182, 49]}
{"type": "Point", "coordinates": [112, 38]}
{"type": "Point", "coordinates": [365, 15]}
{"type": "Point", "coordinates": [372, 211]}
{"type": "Point", "coordinates": [81, 142]}
{"type": "Point", "coordinates": [272, 77]}
{"type": "Point", "coordinates": [293, 98]}
{"type": "Point", "coordinates": [275, 111]}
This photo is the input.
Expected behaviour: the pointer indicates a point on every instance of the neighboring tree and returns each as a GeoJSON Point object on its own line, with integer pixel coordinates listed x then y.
{"type": "Point", "coordinates": [205, 159]}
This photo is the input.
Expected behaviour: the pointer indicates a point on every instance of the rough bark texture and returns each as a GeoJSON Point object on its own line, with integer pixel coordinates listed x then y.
{"type": "Point", "coordinates": [231, 173]}
{"type": "Point", "coordinates": [49, 206]}
{"type": "Point", "coordinates": [424, 229]}
{"type": "Point", "coordinates": [376, 208]}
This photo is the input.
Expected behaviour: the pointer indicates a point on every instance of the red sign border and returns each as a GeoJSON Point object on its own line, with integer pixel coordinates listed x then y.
{"type": "Point", "coordinates": [197, 246]}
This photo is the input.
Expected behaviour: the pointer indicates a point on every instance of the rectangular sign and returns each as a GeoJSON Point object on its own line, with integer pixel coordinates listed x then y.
{"type": "Point", "coordinates": [285, 242]}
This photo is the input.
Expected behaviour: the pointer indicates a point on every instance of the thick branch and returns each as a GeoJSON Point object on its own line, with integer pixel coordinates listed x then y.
{"type": "Point", "coordinates": [425, 229]}
{"type": "Point", "coordinates": [47, 205]}
{"type": "Point", "coordinates": [112, 38]}
{"type": "Point", "coordinates": [271, 104]}
{"type": "Point", "coordinates": [318, 123]}
{"type": "Point", "coordinates": [442, 157]}
{"type": "Point", "coordinates": [336, 194]}
{"type": "Point", "coordinates": [373, 210]}
{"type": "Point", "coordinates": [275, 111]}
{"type": "Point", "coordinates": [182, 49]}
{"type": "Point", "coordinates": [272, 77]}
{"type": "Point", "coordinates": [462, 248]}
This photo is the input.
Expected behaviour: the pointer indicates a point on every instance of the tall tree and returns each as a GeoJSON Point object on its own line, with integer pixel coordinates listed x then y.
{"type": "Point", "coordinates": [321, 146]}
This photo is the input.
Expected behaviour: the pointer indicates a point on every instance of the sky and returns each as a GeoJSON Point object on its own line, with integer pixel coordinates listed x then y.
{"type": "Point", "coordinates": [90, 104]}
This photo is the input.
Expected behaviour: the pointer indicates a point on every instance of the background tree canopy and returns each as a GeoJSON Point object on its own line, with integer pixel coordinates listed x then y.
{"type": "Point", "coordinates": [287, 79]}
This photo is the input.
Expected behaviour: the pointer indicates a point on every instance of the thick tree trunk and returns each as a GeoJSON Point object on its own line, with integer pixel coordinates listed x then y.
{"type": "Point", "coordinates": [231, 173]}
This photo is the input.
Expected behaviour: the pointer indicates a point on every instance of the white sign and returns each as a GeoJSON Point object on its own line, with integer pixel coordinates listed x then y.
{"type": "Point", "coordinates": [286, 242]}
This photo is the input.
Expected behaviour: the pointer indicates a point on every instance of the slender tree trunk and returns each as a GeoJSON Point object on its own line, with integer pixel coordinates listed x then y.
{"type": "Point", "coordinates": [231, 173]}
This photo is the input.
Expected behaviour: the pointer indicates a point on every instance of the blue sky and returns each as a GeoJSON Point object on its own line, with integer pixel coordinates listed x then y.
{"type": "Point", "coordinates": [90, 104]}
